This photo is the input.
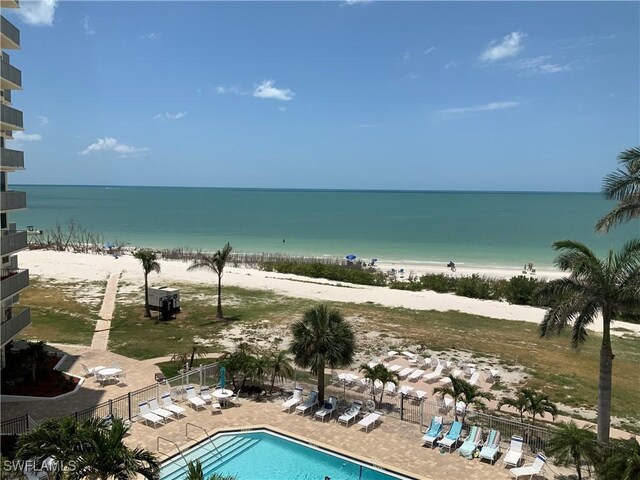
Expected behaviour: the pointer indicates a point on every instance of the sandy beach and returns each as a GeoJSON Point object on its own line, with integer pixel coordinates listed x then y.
{"type": "Point", "coordinates": [65, 266]}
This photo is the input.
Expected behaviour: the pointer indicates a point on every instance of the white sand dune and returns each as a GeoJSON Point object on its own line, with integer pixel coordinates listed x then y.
{"type": "Point", "coordinates": [64, 266]}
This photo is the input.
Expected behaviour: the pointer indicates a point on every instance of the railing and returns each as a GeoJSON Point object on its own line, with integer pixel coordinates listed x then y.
{"type": "Point", "coordinates": [20, 318]}
{"type": "Point", "coordinates": [13, 281]}
{"type": "Point", "coordinates": [11, 158]}
{"type": "Point", "coordinates": [10, 74]}
{"type": "Point", "coordinates": [18, 425]}
{"type": "Point", "coordinates": [10, 31]}
{"type": "Point", "coordinates": [12, 241]}
{"type": "Point", "coordinates": [13, 200]}
{"type": "Point", "coordinates": [11, 118]}
{"type": "Point", "coordinates": [170, 441]}
{"type": "Point", "coordinates": [186, 434]}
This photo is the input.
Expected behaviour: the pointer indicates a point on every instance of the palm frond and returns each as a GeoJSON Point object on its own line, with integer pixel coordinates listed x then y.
{"type": "Point", "coordinates": [628, 209]}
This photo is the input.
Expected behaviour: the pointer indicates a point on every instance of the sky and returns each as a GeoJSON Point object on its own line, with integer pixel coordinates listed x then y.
{"type": "Point", "coordinates": [538, 96]}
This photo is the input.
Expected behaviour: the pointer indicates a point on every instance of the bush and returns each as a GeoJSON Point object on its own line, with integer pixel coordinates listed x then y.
{"type": "Point", "coordinates": [474, 287]}
{"type": "Point", "coordinates": [351, 274]}
{"type": "Point", "coordinates": [412, 286]}
{"type": "Point", "coordinates": [438, 282]}
{"type": "Point", "coordinates": [520, 290]}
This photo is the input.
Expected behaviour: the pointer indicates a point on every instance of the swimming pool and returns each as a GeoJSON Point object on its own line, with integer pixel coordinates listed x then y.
{"type": "Point", "coordinates": [263, 455]}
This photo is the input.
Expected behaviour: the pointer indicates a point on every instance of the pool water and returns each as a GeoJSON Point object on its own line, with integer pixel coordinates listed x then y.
{"type": "Point", "coordinates": [266, 456]}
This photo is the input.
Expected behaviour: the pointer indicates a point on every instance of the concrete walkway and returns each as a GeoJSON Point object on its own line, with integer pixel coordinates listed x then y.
{"type": "Point", "coordinates": [100, 339]}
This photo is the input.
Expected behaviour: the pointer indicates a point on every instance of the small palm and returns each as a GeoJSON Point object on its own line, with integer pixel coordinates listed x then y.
{"type": "Point", "coordinates": [214, 263]}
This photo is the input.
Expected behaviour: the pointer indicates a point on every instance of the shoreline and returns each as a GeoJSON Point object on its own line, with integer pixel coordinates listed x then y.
{"type": "Point", "coordinates": [67, 266]}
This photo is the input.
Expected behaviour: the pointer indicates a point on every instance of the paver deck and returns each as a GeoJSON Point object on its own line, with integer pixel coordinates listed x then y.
{"type": "Point", "coordinates": [100, 339]}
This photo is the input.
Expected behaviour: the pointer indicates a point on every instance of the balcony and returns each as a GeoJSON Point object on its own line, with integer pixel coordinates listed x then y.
{"type": "Point", "coordinates": [10, 77]}
{"type": "Point", "coordinates": [12, 241]}
{"type": "Point", "coordinates": [13, 281]}
{"type": "Point", "coordinates": [9, 35]}
{"type": "Point", "coordinates": [12, 200]}
{"type": "Point", "coordinates": [11, 119]}
{"type": "Point", "coordinates": [11, 159]}
{"type": "Point", "coordinates": [18, 320]}
{"type": "Point", "coordinates": [9, 4]}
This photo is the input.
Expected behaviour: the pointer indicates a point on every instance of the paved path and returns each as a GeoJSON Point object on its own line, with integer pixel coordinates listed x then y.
{"type": "Point", "coordinates": [101, 335]}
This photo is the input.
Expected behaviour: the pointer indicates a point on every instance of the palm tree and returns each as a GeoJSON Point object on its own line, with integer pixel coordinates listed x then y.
{"type": "Point", "coordinates": [280, 366]}
{"type": "Point", "coordinates": [572, 445]}
{"type": "Point", "coordinates": [382, 374]}
{"type": "Point", "coordinates": [539, 403]}
{"type": "Point", "coordinates": [149, 261]}
{"type": "Point", "coordinates": [322, 337]}
{"type": "Point", "coordinates": [461, 390]}
{"type": "Point", "coordinates": [608, 287]}
{"type": "Point", "coordinates": [257, 368]}
{"type": "Point", "coordinates": [619, 461]}
{"type": "Point", "coordinates": [216, 264]}
{"type": "Point", "coordinates": [195, 472]}
{"type": "Point", "coordinates": [622, 185]}
{"type": "Point", "coordinates": [520, 402]}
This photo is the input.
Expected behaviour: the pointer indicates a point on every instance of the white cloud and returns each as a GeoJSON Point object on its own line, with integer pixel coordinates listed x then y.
{"type": "Point", "coordinates": [42, 119]}
{"type": "Point", "coordinates": [487, 107]}
{"type": "Point", "coordinates": [282, 109]}
{"type": "Point", "coordinates": [109, 144]}
{"type": "Point", "coordinates": [267, 90]}
{"type": "Point", "coordinates": [87, 29]}
{"type": "Point", "coordinates": [38, 12]}
{"type": "Point", "coordinates": [429, 50]}
{"type": "Point", "coordinates": [406, 56]}
{"type": "Point", "coordinates": [411, 76]}
{"type": "Point", "coordinates": [349, 3]}
{"type": "Point", "coordinates": [449, 65]}
{"type": "Point", "coordinates": [26, 137]}
{"type": "Point", "coordinates": [230, 90]}
{"type": "Point", "coordinates": [541, 64]}
{"type": "Point", "coordinates": [508, 47]}
{"type": "Point", "coordinates": [151, 36]}
{"type": "Point", "coordinates": [170, 116]}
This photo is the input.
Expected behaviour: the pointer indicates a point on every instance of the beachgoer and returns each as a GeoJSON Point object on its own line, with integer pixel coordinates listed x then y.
{"type": "Point", "coordinates": [283, 240]}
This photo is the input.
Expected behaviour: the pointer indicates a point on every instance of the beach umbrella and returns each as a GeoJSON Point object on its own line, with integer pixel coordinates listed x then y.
{"type": "Point", "coordinates": [351, 256]}
{"type": "Point", "coordinates": [223, 372]}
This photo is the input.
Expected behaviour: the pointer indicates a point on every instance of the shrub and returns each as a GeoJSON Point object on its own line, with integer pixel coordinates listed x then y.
{"type": "Point", "coordinates": [474, 287]}
{"type": "Point", "coordinates": [413, 286]}
{"type": "Point", "coordinates": [350, 274]}
{"type": "Point", "coordinates": [520, 290]}
{"type": "Point", "coordinates": [438, 282]}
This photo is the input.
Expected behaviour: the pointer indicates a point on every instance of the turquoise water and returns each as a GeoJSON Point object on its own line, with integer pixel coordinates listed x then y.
{"type": "Point", "coordinates": [260, 456]}
{"type": "Point", "coordinates": [493, 229]}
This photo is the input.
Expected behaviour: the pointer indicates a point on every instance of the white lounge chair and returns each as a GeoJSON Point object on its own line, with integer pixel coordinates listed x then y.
{"type": "Point", "coordinates": [514, 454]}
{"type": "Point", "coordinates": [395, 368]}
{"type": "Point", "coordinates": [216, 407]}
{"type": "Point", "coordinates": [391, 354]}
{"type": "Point", "coordinates": [474, 377]}
{"type": "Point", "coordinates": [405, 372]}
{"type": "Point", "coordinates": [530, 470]}
{"type": "Point", "coordinates": [352, 412]}
{"type": "Point", "coordinates": [155, 408]}
{"type": "Point", "coordinates": [445, 404]}
{"type": "Point", "coordinates": [370, 421]}
{"type": "Point", "coordinates": [421, 394]}
{"type": "Point", "coordinates": [89, 372]}
{"type": "Point", "coordinates": [309, 404]}
{"type": "Point", "coordinates": [415, 375]}
{"type": "Point", "coordinates": [327, 409]}
{"type": "Point", "coordinates": [493, 375]}
{"type": "Point", "coordinates": [169, 405]}
{"type": "Point", "coordinates": [434, 432]}
{"type": "Point", "coordinates": [450, 440]}
{"type": "Point", "coordinates": [194, 399]}
{"type": "Point", "coordinates": [406, 389]}
{"type": "Point", "coordinates": [293, 401]}
{"type": "Point", "coordinates": [205, 394]}
{"type": "Point", "coordinates": [433, 376]}
{"type": "Point", "coordinates": [390, 388]}
{"type": "Point", "coordinates": [147, 416]}
{"type": "Point", "coordinates": [491, 447]}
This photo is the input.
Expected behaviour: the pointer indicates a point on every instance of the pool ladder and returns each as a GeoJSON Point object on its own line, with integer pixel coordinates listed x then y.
{"type": "Point", "coordinates": [172, 442]}
{"type": "Point", "coordinates": [186, 434]}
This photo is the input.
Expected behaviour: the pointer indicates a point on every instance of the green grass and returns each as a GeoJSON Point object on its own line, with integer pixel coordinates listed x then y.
{"type": "Point", "coordinates": [169, 369]}
{"type": "Point", "coordinates": [56, 313]}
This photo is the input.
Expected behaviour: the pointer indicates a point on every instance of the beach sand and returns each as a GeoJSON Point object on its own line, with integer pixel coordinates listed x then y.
{"type": "Point", "coordinates": [65, 266]}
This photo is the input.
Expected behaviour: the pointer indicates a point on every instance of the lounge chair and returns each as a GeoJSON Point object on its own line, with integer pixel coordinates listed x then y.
{"type": "Point", "coordinates": [474, 377]}
{"type": "Point", "coordinates": [370, 421]}
{"type": "Point", "coordinates": [147, 416]}
{"type": "Point", "coordinates": [391, 354]}
{"type": "Point", "coordinates": [395, 368]}
{"type": "Point", "coordinates": [415, 375]}
{"type": "Point", "coordinates": [327, 409]}
{"type": "Point", "coordinates": [406, 390]}
{"type": "Point", "coordinates": [433, 433]}
{"type": "Point", "coordinates": [450, 440]}
{"type": "Point", "coordinates": [293, 401]}
{"type": "Point", "coordinates": [88, 372]}
{"type": "Point", "coordinates": [205, 394]}
{"type": "Point", "coordinates": [216, 407]}
{"type": "Point", "coordinates": [491, 447]}
{"type": "Point", "coordinates": [169, 405]}
{"type": "Point", "coordinates": [433, 376]}
{"type": "Point", "coordinates": [155, 408]}
{"type": "Point", "coordinates": [493, 375]}
{"type": "Point", "coordinates": [352, 412]}
{"type": "Point", "coordinates": [514, 454]}
{"type": "Point", "coordinates": [530, 470]}
{"type": "Point", "coordinates": [309, 404]}
{"type": "Point", "coordinates": [445, 404]}
{"type": "Point", "coordinates": [471, 443]}
{"type": "Point", "coordinates": [194, 399]}
{"type": "Point", "coordinates": [405, 372]}
{"type": "Point", "coordinates": [390, 388]}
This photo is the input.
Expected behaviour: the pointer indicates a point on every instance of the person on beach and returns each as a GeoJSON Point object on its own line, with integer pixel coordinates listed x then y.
{"type": "Point", "coordinates": [451, 265]}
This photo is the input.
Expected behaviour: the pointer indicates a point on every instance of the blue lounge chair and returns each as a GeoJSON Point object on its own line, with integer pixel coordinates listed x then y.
{"type": "Point", "coordinates": [471, 443]}
{"type": "Point", "coordinates": [450, 440]}
{"type": "Point", "coordinates": [491, 447]}
{"type": "Point", "coordinates": [434, 432]}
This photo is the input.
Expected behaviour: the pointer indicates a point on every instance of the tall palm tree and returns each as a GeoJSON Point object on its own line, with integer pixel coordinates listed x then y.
{"type": "Point", "coordinates": [462, 390]}
{"type": "Point", "coordinates": [520, 402]}
{"type": "Point", "coordinates": [539, 403]}
{"type": "Point", "coordinates": [572, 445]}
{"type": "Point", "coordinates": [149, 261]}
{"type": "Point", "coordinates": [622, 185]}
{"type": "Point", "coordinates": [322, 338]}
{"type": "Point", "coordinates": [595, 286]}
{"type": "Point", "coordinates": [216, 264]}
{"type": "Point", "coordinates": [619, 461]}
{"type": "Point", "coordinates": [280, 366]}
{"type": "Point", "coordinates": [186, 359]}
{"type": "Point", "coordinates": [382, 374]}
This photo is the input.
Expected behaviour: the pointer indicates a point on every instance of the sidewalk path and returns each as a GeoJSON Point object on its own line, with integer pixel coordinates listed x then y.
{"type": "Point", "coordinates": [101, 335]}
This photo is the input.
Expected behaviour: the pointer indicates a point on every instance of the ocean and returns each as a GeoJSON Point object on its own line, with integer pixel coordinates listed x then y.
{"type": "Point", "coordinates": [493, 229]}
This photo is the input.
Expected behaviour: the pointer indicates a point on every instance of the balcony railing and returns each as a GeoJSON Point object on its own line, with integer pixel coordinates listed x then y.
{"type": "Point", "coordinates": [12, 200]}
{"type": "Point", "coordinates": [11, 76]}
{"type": "Point", "coordinates": [10, 33]}
{"type": "Point", "coordinates": [10, 4]}
{"type": "Point", "coordinates": [11, 118]}
{"type": "Point", "coordinates": [20, 318]}
{"type": "Point", "coordinates": [11, 159]}
{"type": "Point", "coordinates": [13, 281]}
{"type": "Point", "coordinates": [12, 241]}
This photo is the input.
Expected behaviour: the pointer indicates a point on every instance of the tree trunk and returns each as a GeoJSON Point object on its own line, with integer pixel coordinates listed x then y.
{"type": "Point", "coordinates": [604, 383]}
{"type": "Point", "coordinates": [147, 312]}
{"type": "Point", "coordinates": [321, 383]}
{"type": "Point", "coordinates": [273, 381]}
{"type": "Point", "coordinates": [577, 462]}
{"type": "Point", "coordinates": [219, 315]}
{"type": "Point", "coordinates": [193, 354]}
{"type": "Point", "coordinates": [381, 395]}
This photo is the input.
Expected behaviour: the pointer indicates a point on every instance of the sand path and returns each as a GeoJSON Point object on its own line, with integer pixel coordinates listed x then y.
{"type": "Point", "coordinates": [100, 339]}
